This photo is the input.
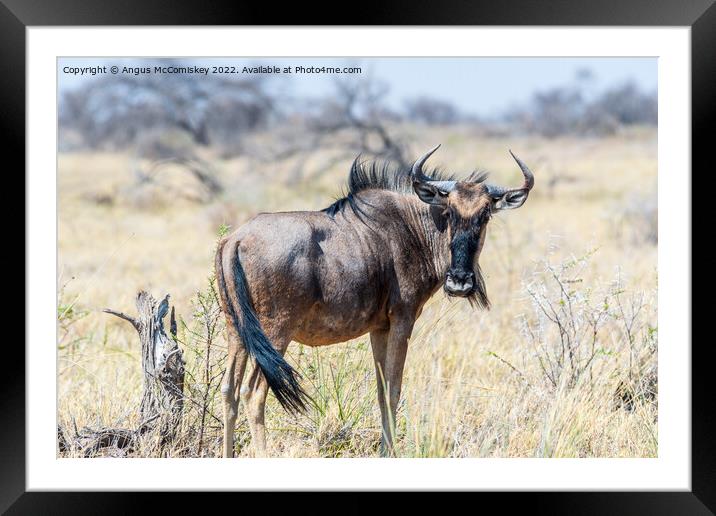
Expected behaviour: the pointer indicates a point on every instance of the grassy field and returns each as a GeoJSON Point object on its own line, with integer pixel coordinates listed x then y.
{"type": "Point", "coordinates": [563, 365]}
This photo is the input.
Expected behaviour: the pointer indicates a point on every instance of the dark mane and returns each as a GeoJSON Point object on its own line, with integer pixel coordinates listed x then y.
{"type": "Point", "coordinates": [380, 176]}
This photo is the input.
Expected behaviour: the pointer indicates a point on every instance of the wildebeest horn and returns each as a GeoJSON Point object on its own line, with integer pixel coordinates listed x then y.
{"type": "Point", "coordinates": [498, 191]}
{"type": "Point", "coordinates": [529, 176]}
{"type": "Point", "coordinates": [419, 176]}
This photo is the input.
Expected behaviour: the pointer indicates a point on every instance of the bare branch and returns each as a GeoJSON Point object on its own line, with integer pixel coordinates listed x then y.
{"type": "Point", "coordinates": [134, 322]}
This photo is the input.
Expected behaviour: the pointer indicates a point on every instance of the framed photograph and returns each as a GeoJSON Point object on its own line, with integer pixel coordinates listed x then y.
{"type": "Point", "coordinates": [392, 257]}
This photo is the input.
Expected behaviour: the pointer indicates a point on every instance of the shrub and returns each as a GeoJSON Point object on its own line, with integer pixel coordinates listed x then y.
{"type": "Point", "coordinates": [573, 327]}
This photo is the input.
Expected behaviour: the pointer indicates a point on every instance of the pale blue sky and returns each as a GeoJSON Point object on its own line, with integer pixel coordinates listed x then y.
{"type": "Point", "coordinates": [480, 86]}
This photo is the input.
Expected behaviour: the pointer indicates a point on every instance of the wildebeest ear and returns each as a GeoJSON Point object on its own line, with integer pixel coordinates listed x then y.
{"type": "Point", "coordinates": [430, 193]}
{"type": "Point", "coordinates": [511, 200]}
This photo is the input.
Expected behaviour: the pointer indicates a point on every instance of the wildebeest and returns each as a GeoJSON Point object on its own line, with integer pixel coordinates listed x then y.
{"type": "Point", "coordinates": [367, 263]}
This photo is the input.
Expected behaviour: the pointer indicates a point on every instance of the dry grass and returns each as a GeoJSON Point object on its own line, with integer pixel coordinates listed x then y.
{"type": "Point", "coordinates": [510, 382]}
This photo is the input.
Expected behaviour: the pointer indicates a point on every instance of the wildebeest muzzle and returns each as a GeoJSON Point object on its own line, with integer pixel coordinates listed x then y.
{"type": "Point", "coordinates": [459, 282]}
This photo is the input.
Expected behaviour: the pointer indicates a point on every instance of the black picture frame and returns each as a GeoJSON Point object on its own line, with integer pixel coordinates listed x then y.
{"type": "Point", "coordinates": [700, 15]}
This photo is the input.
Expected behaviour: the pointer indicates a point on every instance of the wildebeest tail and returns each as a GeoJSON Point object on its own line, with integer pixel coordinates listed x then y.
{"type": "Point", "coordinates": [280, 376]}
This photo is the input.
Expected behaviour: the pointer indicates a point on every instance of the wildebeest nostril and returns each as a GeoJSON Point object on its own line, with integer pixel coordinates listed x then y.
{"type": "Point", "coordinates": [460, 276]}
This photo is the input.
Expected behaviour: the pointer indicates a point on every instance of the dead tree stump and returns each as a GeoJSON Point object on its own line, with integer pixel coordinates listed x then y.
{"type": "Point", "coordinates": [162, 365]}
{"type": "Point", "coordinates": [163, 383]}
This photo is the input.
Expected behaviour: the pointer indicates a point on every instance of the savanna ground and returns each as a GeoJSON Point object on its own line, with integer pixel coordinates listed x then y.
{"type": "Point", "coordinates": [563, 365]}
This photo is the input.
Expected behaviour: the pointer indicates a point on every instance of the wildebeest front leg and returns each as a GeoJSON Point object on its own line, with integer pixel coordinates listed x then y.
{"type": "Point", "coordinates": [395, 350]}
{"type": "Point", "coordinates": [379, 345]}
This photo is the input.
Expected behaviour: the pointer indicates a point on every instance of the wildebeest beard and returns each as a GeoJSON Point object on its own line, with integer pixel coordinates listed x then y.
{"type": "Point", "coordinates": [478, 295]}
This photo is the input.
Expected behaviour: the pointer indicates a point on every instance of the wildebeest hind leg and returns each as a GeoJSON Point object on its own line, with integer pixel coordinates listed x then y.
{"type": "Point", "coordinates": [253, 396]}
{"type": "Point", "coordinates": [230, 385]}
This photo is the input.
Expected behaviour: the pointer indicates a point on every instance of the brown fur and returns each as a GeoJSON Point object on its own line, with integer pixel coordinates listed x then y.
{"type": "Point", "coordinates": [469, 200]}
